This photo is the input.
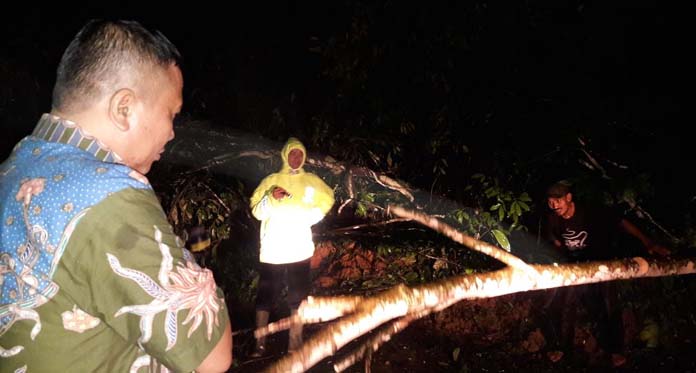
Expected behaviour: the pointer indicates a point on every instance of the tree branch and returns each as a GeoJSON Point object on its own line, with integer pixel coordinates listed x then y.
{"type": "Point", "coordinates": [374, 343]}
{"type": "Point", "coordinates": [468, 241]}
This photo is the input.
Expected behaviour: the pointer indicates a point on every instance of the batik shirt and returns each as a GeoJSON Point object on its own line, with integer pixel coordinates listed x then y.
{"type": "Point", "coordinates": [93, 277]}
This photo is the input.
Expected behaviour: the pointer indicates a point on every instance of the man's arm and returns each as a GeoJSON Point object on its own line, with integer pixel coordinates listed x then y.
{"type": "Point", "coordinates": [220, 358]}
{"type": "Point", "coordinates": [647, 242]}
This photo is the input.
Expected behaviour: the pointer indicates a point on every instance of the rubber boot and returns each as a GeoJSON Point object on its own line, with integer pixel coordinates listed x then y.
{"type": "Point", "coordinates": [295, 334]}
{"type": "Point", "coordinates": [261, 321]}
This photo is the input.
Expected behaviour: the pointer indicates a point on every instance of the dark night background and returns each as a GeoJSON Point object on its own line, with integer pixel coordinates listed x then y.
{"type": "Point", "coordinates": [511, 82]}
{"type": "Point", "coordinates": [430, 93]}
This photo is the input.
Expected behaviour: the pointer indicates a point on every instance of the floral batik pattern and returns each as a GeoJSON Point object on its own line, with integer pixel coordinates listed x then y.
{"type": "Point", "coordinates": [181, 287]}
{"type": "Point", "coordinates": [45, 189]}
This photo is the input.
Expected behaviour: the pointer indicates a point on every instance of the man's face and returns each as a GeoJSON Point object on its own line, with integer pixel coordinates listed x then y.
{"type": "Point", "coordinates": [295, 158]}
{"type": "Point", "coordinates": [560, 205]}
{"type": "Point", "coordinates": [154, 124]}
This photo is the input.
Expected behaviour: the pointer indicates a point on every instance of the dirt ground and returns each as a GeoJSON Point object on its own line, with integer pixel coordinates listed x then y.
{"type": "Point", "coordinates": [410, 351]}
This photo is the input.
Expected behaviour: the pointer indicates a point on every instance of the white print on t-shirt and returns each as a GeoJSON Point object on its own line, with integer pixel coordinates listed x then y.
{"type": "Point", "coordinates": [574, 241]}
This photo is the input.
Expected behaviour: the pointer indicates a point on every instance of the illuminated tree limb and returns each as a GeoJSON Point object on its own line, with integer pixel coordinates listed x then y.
{"type": "Point", "coordinates": [402, 301]}
{"type": "Point", "coordinates": [468, 241]}
{"type": "Point", "coordinates": [373, 344]}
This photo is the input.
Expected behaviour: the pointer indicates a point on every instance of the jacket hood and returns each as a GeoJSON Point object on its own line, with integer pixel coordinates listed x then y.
{"type": "Point", "coordinates": [291, 144]}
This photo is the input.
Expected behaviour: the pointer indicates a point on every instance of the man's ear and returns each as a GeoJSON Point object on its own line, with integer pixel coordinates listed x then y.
{"type": "Point", "coordinates": [569, 197]}
{"type": "Point", "coordinates": [121, 108]}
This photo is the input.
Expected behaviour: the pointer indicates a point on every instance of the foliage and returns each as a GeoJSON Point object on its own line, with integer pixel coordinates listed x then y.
{"type": "Point", "coordinates": [220, 205]}
{"type": "Point", "coordinates": [364, 201]}
{"type": "Point", "coordinates": [371, 264]}
{"type": "Point", "coordinates": [372, 115]}
{"type": "Point", "coordinates": [195, 202]}
{"type": "Point", "coordinates": [498, 212]}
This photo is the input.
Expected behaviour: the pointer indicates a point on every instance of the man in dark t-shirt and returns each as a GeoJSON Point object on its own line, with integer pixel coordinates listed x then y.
{"type": "Point", "coordinates": [586, 233]}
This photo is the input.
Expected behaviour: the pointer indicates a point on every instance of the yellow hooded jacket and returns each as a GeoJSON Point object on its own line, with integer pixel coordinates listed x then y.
{"type": "Point", "coordinates": [286, 235]}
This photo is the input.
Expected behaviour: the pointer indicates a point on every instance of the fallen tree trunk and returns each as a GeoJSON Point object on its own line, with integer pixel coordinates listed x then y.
{"type": "Point", "coordinates": [368, 313]}
{"type": "Point", "coordinates": [401, 304]}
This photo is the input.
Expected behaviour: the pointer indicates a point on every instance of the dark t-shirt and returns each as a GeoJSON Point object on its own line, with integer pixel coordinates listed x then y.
{"type": "Point", "coordinates": [588, 234]}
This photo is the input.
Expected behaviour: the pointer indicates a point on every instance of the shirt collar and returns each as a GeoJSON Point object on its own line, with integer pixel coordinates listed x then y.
{"type": "Point", "coordinates": [55, 129]}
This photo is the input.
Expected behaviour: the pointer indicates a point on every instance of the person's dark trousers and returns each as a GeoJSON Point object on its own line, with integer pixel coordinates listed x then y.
{"type": "Point", "coordinates": [603, 306]}
{"type": "Point", "coordinates": [560, 316]}
{"type": "Point", "coordinates": [272, 279]}
{"type": "Point", "coordinates": [601, 303]}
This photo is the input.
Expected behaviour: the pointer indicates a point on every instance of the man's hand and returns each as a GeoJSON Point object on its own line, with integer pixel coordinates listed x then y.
{"type": "Point", "coordinates": [650, 246]}
{"type": "Point", "coordinates": [279, 193]}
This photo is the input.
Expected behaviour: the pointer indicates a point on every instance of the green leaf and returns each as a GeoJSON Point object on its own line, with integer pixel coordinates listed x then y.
{"type": "Point", "coordinates": [495, 207]}
{"type": "Point", "coordinates": [455, 354]}
{"type": "Point", "coordinates": [361, 210]}
{"type": "Point", "coordinates": [525, 197]}
{"type": "Point", "coordinates": [411, 276]}
{"type": "Point", "coordinates": [370, 197]}
{"type": "Point", "coordinates": [501, 214]}
{"type": "Point", "coordinates": [515, 210]}
{"type": "Point", "coordinates": [502, 239]}
{"type": "Point", "coordinates": [523, 205]}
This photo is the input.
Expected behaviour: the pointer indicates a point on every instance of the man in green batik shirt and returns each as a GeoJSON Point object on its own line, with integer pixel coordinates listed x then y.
{"type": "Point", "coordinates": [93, 278]}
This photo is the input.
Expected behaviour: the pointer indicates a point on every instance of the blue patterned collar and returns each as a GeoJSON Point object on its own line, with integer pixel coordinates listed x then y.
{"type": "Point", "coordinates": [55, 129]}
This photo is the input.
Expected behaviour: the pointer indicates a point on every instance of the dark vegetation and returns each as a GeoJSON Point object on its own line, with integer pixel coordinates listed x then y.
{"type": "Point", "coordinates": [481, 104]}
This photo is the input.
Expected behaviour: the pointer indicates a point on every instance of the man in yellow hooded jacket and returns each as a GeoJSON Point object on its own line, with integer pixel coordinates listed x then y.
{"type": "Point", "coordinates": [287, 203]}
